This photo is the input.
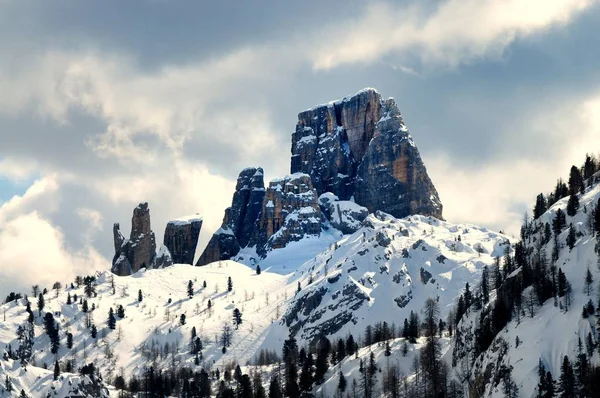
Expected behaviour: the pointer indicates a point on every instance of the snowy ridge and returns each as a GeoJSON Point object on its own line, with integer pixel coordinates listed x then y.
{"type": "Point", "coordinates": [545, 333]}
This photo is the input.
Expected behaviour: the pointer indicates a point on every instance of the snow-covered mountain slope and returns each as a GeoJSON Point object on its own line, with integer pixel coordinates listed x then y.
{"type": "Point", "coordinates": [151, 331]}
{"type": "Point", "coordinates": [546, 331]}
{"type": "Point", "coordinates": [382, 272]}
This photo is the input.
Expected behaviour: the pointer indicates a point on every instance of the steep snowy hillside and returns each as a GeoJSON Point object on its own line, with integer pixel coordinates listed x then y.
{"type": "Point", "coordinates": [535, 316]}
{"type": "Point", "coordinates": [151, 331]}
{"type": "Point", "coordinates": [382, 272]}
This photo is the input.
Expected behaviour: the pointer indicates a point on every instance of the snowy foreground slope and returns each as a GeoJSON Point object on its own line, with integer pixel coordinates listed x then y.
{"type": "Point", "coordinates": [380, 273]}
{"type": "Point", "coordinates": [537, 333]}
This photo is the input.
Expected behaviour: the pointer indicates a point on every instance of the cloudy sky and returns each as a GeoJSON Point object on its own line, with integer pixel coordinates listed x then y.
{"type": "Point", "coordinates": [105, 104]}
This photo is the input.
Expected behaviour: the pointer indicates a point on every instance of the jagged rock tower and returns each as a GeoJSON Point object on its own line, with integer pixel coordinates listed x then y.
{"type": "Point", "coordinates": [356, 148]}
{"type": "Point", "coordinates": [140, 249]}
{"type": "Point", "coordinates": [359, 146]}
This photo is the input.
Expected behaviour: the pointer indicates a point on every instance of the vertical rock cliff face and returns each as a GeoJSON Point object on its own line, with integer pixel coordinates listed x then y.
{"type": "Point", "coordinates": [355, 154]}
{"type": "Point", "coordinates": [290, 211]}
{"type": "Point", "coordinates": [359, 146]}
{"type": "Point", "coordinates": [181, 238]}
{"type": "Point", "coordinates": [239, 220]}
{"type": "Point", "coordinates": [140, 249]}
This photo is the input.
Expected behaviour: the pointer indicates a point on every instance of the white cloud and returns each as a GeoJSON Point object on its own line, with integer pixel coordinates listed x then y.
{"type": "Point", "coordinates": [494, 194]}
{"type": "Point", "coordinates": [455, 32]}
{"type": "Point", "coordinates": [32, 251]}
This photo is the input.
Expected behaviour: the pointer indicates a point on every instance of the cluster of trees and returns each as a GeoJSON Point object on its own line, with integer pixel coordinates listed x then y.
{"type": "Point", "coordinates": [577, 379]}
{"type": "Point", "coordinates": [579, 179]}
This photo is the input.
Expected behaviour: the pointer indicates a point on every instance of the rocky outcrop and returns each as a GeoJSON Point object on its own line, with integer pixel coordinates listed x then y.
{"type": "Point", "coordinates": [240, 219]}
{"type": "Point", "coordinates": [359, 146]}
{"type": "Point", "coordinates": [181, 238]}
{"type": "Point", "coordinates": [163, 258]}
{"type": "Point", "coordinates": [290, 211]}
{"type": "Point", "coordinates": [343, 215]}
{"type": "Point", "coordinates": [140, 249]}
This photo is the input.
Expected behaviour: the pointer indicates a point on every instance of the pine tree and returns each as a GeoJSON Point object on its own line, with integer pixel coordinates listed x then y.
{"type": "Point", "coordinates": [589, 280]}
{"type": "Point", "coordinates": [275, 389]}
{"type": "Point", "coordinates": [140, 296]}
{"type": "Point", "coordinates": [388, 350]}
{"type": "Point", "coordinates": [112, 322]}
{"type": "Point", "coordinates": [190, 289]}
{"type": "Point", "coordinates": [69, 340]}
{"type": "Point", "coordinates": [40, 304]}
{"type": "Point", "coordinates": [559, 222]}
{"type": "Point", "coordinates": [229, 284]}
{"type": "Point", "coordinates": [540, 206]}
{"type": "Point", "coordinates": [237, 318]}
{"type": "Point", "coordinates": [572, 204]}
{"type": "Point", "coordinates": [597, 218]}
{"type": "Point", "coordinates": [566, 383]}
{"type": "Point", "coordinates": [571, 237]}
{"type": "Point", "coordinates": [575, 180]}
{"type": "Point", "coordinates": [56, 370]}
{"type": "Point", "coordinates": [182, 319]}
{"type": "Point", "coordinates": [258, 271]}
{"type": "Point", "coordinates": [68, 298]}
{"type": "Point", "coordinates": [298, 288]}
{"type": "Point", "coordinates": [342, 383]}
{"type": "Point", "coordinates": [84, 306]}
{"type": "Point", "coordinates": [121, 311]}
{"type": "Point", "coordinates": [93, 331]}
{"type": "Point", "coordinates": [23, 395]}
{"type": "Point", "coordinates": [485, 291]}
{"type": "Point", "coordinates": [306, 377]}
{"type": "Point", "coordinates": [8, 384]}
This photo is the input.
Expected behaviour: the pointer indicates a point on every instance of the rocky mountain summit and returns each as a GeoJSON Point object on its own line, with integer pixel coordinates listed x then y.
{"type": "Point", "coordinates": [350, 158]}
{"type": "Point", "coordinates": [359, 146]}
{"type": "Point", "coordinates": [240, 218]}
{"type": "Point", "coordinates": [139, 251]}
{"type": "Point", "coordinates": [181, 238]}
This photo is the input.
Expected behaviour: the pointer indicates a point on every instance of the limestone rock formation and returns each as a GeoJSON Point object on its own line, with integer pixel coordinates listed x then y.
{"type": "Point", "coordinates": [343, 215]}
{"type": "Point", "coordinates": [181, 238]}
{"type": "Point", "coordinates": [163, 258]}
{"type": "Point", "coordinates": [359, 146]}
{"type": "Point", "coordinates": [239, 220]}
{"type": "Point", "coordinates": [290, 211]}
{"type": "Point", "coordinates": [140, 249]}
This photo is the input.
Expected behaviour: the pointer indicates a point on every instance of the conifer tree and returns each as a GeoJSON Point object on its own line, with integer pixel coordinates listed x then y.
{"type": "Point", "coordinates": [68, 298]}
{"type": "Point", "coordinates": [597, 218]}
{"type": "Point", "coordinates": [140, 296]}
{"type": "Point", "coordinates": [589, 280]}
{"type": "Point", "coordinates": [112, 322]}
{"type": "Point", "coordinates": [229, 284]}
{"type": "Point", "coordinates": [342, 383]}
{"type": "Point", "coordinates": [8, 384]}
{"type": "Point", "coordinates": [69, 340]}
{"type": "Point", "coordinates": [40, 304]}
{"type": "Point", "coordinates": [575, 180]}
{"type": "Point", "coordinates": [93, 331]}
{"type": "Point", "coordinates": [182, 319]}
{"type": "Point", "coordinates": [540, 206]}
{"type": "Point", "coordinates": [306, 377]}
{"type": "Point", "coordinates": [237, 318]}
{"type": "Point", "coordinates": [56, 370]}
{"type": "Point", "coordinates": [566, 383]}
{"type": "Point", "coordinates": [559, 222]}
{"type": "Point", "coordinates": [572, 204]}
{"type": "Point", "coordinates": [190, 289]}
{"type": "Point", "coordinates": [571, 237]}
{"type": "Point", "coordinates": [258, 271]}
{"type": "Point", "coordinates": [485, 291]}
{"type": "Point", "coordinates": [275, 388]}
